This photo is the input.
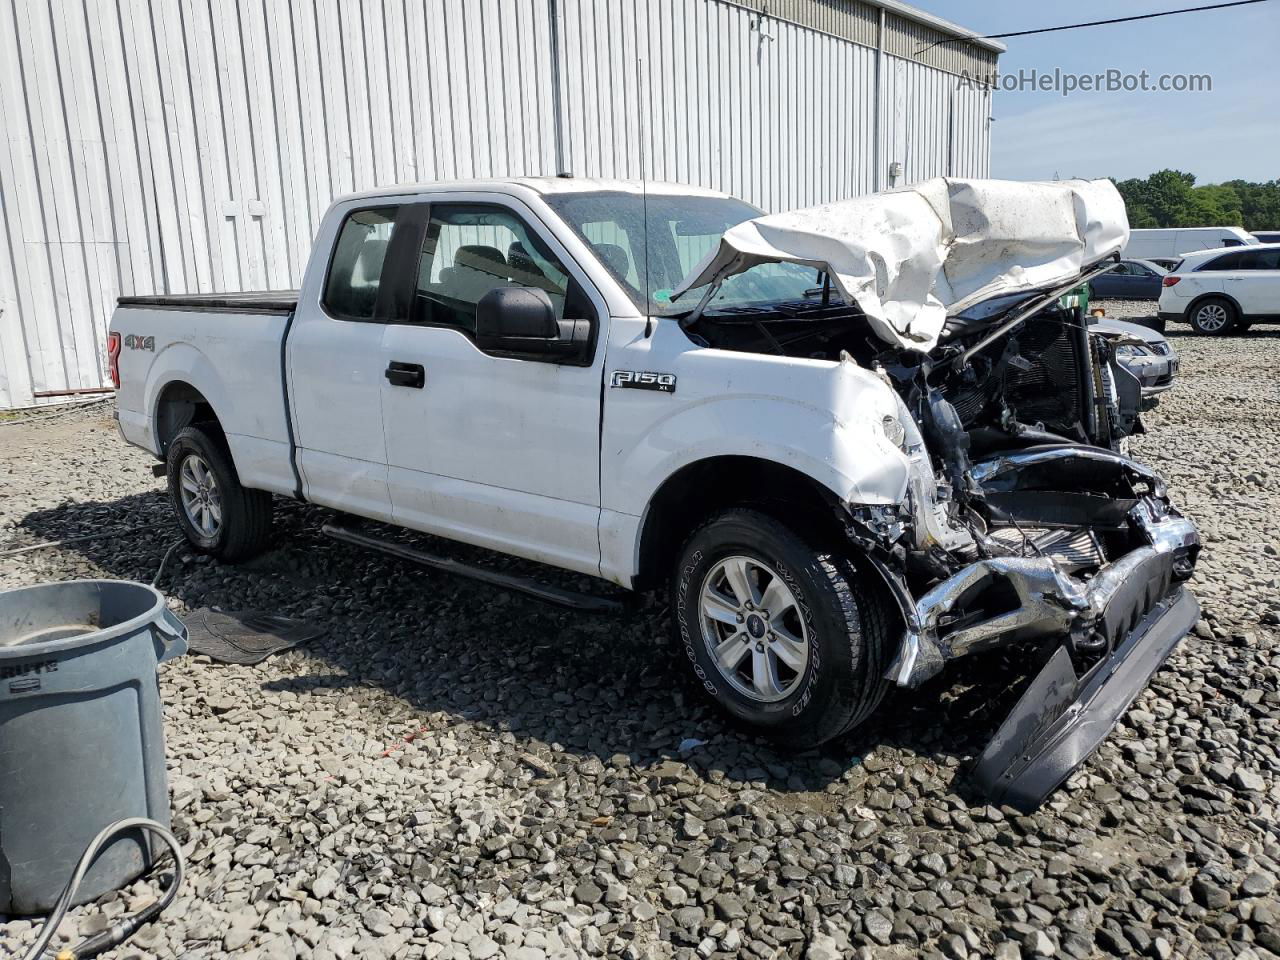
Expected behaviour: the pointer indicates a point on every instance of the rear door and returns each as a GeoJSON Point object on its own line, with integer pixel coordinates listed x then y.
{"type": "Point", "coordinates": [336, 361]}
{"type": "Point", "coordinates": [1255, 283]}
{"type": "Point", "coordinates": [500, 452]}
{"type": "Point", "coordinates": [1121, 282]}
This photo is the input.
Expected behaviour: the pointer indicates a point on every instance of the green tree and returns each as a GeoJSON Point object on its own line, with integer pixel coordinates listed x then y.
{"type": "Point", "coordinates": [1170, 198]}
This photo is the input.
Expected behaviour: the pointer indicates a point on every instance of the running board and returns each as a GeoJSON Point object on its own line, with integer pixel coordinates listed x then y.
{"type": "Point", "coordinates": [507, 581]}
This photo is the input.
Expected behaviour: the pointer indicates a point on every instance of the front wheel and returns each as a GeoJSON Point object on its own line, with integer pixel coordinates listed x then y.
{"type": "Point", "coordinates": [217, 514]}
{"type": "Point", "coordinates": [1214, 317]}
{"type": "Point", "coordinates": [787, 638]}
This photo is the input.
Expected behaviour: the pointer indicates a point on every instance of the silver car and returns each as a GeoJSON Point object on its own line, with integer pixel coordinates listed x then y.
{"type": "Point", "coordinates": [1144, 352]}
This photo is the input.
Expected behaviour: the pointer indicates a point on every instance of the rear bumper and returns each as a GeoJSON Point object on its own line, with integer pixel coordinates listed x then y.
{"type": "Point", "coordinates": [135, 428]}
{"type": "Point", "coordinates": [1061, 718]}
{"type": "Point", "coordinates": [1171, 316]}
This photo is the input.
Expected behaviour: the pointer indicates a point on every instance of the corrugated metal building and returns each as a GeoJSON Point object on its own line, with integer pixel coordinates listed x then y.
{"type": "Point", "coordinates": [167, 146]}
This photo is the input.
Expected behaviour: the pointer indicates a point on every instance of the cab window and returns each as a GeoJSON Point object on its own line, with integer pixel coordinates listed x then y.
{"type": "Point", "coordinates": [470, 249]}
{"type": "Point", "coordinates": [355, 270]}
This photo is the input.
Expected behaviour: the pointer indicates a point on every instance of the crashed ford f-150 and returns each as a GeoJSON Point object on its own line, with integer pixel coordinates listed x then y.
{"type": "Point", "coordinates": [853, 442]}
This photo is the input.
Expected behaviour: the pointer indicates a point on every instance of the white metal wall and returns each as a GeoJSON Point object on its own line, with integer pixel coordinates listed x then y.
{"type": "Point", "coordinates": [164, 146]}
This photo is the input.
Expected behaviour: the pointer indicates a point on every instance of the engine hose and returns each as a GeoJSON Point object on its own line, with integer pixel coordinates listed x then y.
{"type": "Point", "coordinates": [121, 930]}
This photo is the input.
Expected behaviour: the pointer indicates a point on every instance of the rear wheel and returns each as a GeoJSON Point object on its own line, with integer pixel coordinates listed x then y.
{"type": "Point", "coordinates": [785, 637]}
{"type": "Point", "coordinates": [217, 515]}
{"type": "Point", "coordinates": [1214, 316]}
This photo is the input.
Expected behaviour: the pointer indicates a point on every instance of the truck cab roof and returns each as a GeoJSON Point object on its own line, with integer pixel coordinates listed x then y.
{"type": "Point", "coordinates": [541, 185]}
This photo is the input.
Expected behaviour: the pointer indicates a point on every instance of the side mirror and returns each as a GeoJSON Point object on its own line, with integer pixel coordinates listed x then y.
{"type": "Point", "coordinates": [522, 313]}
{"type": "Point", "coordinates": [521, 322]}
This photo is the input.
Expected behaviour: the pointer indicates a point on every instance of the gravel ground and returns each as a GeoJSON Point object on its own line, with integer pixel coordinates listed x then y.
{"type": "Point", "coordinates": [453, 772]}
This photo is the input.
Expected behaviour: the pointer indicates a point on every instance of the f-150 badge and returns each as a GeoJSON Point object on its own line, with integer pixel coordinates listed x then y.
{"type": "Point", "coordinates": [645, 380]}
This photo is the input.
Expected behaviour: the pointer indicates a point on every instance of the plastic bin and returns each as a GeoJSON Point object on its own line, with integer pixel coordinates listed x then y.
{"type": "Point", "coordinates": [81, 736]}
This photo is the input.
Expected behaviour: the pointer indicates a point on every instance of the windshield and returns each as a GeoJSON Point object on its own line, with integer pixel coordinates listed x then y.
{"type": "Point", "coordinates": [682, 229]}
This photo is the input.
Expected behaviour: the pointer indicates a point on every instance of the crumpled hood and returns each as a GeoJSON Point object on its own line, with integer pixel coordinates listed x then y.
{"type": "Point", "coordinates": [911, 256]}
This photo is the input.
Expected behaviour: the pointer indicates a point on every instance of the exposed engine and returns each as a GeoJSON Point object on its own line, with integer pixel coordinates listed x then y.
{"type": "Point", "coordinates": [1022, 521]}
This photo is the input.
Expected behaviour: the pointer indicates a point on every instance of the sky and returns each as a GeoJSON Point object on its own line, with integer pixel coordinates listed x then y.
{"type": "Point", "coordinates": [1229, 132]}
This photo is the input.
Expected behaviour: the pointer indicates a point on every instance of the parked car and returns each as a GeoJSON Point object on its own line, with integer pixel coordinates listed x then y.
{"type": "Point", "coordinates": [1267, 236]}
{"type": "Point", "coordinates": [1130, 280]}
{"type": "Point", "coordinates": [1177, 241]}
{"type": "Point", "coordinates": [1144, 352]}
{"type": "Point", "coordinates": [841, 481]}
{"type": "Point", "coordinates": [1220, 293]}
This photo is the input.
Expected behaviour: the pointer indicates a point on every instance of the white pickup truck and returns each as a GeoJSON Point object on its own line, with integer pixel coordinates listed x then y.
{"type": "Point", "coordinates": [853, 442]}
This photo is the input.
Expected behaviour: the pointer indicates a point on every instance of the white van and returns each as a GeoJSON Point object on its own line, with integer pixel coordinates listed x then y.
{"type": "Point", "coordinates": [1173, 242]}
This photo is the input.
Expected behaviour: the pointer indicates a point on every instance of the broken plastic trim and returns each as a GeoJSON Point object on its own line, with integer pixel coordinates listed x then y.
{"type": "Point", "coordinates": [1061, 719]}
{"type": "Point", "coordinates": [1049, 600]}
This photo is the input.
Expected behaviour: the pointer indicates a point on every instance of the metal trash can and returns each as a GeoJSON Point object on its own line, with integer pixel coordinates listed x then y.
{"type": "Point", "coordinates": [81, 737]}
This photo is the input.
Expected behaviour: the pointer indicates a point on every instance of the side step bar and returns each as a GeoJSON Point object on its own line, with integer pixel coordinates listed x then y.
{"type": "Point", "coordinates": [540, 591]}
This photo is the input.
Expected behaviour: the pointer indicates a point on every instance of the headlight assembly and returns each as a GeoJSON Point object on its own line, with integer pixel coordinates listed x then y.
{"type": "Point", "coordinates": [894, 430]}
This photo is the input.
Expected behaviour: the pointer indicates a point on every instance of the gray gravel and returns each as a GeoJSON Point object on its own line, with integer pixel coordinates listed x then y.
{"type": "Point", "coordinates": [452, 772]}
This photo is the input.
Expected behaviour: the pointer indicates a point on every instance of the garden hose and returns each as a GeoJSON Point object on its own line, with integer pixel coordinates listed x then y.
{"type": "Point", "coordinates": [122, 929]}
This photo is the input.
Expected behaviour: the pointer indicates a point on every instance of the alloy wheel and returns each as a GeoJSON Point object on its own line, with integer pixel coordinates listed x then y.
{"type": "Point", "coordinates": [201, 499]}
{"type": "Point", "coordinates": [1211, 317]}
{"type": "Point", "coordinates": [753, 628]}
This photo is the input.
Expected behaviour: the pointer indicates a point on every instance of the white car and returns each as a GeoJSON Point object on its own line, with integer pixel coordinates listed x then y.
{"type": "Point", "coordinates": [1224, 291]}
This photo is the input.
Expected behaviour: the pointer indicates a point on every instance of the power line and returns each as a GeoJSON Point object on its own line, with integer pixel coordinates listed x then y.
{"type": "Point", "coordinates": [1094, 23]}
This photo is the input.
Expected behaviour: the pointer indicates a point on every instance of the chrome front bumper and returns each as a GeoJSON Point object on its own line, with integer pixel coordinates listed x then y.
{"type": "Point", "coordinates": [1097, 613]}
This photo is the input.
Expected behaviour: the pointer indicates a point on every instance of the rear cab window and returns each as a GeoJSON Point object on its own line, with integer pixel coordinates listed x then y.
{"type": "Point", "coordinates": [354, 284]}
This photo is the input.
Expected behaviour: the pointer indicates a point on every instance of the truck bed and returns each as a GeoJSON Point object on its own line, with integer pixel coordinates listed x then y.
{"type": "Point", "coordinates": [249, 301]}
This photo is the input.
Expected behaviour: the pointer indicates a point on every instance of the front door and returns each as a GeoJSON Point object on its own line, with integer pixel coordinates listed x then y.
{"type": "Point", "coordinates": [494, 451]}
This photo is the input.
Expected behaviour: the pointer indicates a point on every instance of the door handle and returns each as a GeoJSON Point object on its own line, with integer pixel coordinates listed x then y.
{"type": "Point", "coordinates": [406, 374]}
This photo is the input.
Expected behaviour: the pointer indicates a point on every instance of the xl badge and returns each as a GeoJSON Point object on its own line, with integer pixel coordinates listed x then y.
{"type": "Point", "coordinates": [645, 380]}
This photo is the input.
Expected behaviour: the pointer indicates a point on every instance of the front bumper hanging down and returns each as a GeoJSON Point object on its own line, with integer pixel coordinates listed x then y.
{"type": "Point", "coordinates": [1061, 718]}
{"type": "Point", "coordinates": [1128, 618]}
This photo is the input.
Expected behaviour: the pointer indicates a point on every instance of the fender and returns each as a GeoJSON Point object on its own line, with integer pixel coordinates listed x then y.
{"type": "Point", "coordinates": [1186, 314]}
{"type": "Point", "coordinates": [231, 401]}
{"type": "Point", "coordinates": [257, 433]}
{"type": "Point", "coordinates": [852, 458]}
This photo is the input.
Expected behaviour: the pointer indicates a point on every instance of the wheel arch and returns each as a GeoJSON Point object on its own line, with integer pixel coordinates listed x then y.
{"type": "Point", "coordinates": [698, 489]}
{"type": "Point", "coordinates": [1212, 295]}
{"type": "Point", "coordinates": [179, 404]}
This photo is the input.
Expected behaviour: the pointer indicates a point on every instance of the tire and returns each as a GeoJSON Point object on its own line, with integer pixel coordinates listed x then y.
{"type": "Point", "coordinates": [842, 621]}
{"type": "Point", "coordinates": [218, 516]}
{"type": "Point", "coordinates": [1213, 316]}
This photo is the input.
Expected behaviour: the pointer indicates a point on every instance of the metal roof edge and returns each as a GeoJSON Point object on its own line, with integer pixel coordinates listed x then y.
{"type": "Point", "coordinates": [939, 24]}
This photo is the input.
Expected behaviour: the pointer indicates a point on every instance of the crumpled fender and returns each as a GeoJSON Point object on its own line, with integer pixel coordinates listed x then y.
{"type": "Point", "coordinates": [824, 420]}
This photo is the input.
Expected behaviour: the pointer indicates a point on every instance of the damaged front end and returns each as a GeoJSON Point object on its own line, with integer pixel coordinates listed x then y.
{"type": "Point", "coordinates": [1021, 522]}
{"type": "Point", "coordinates": [1023, 525]}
